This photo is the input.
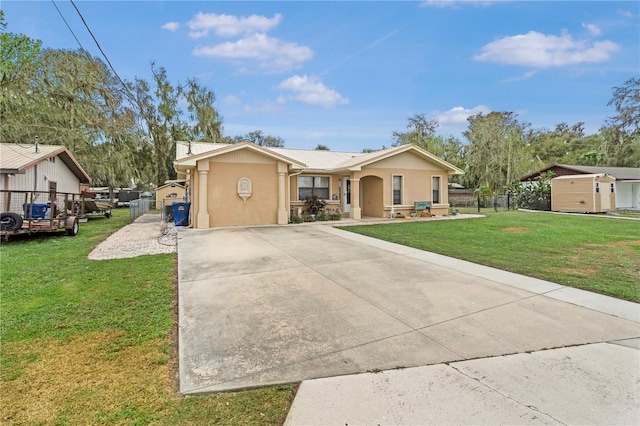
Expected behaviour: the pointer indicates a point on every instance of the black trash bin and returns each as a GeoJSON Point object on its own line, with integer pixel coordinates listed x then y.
{"type": "Point", "coordinates": [181, 213]}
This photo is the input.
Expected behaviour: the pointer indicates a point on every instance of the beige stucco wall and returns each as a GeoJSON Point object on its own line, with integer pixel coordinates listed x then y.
{"type": "Point", "coordinates": [225, 207]}
{"type": "Point", "coordinates": [372, 195]}
{"type": "Point", "coordinates": [416, 175]}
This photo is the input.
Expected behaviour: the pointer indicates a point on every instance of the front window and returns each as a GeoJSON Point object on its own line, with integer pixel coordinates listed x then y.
{"type": "Point", "coordinates": [397, 190]}
{"type": "Point", "coordinates": [308, 186]}
{"type": "Point", "coordinates": [435, 187]}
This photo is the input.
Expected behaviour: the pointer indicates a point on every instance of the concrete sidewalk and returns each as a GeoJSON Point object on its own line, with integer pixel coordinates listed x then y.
{"type": "Point", "coordinates": [591, 384]}
{"type": "Point", "coordinates": [267, 305]}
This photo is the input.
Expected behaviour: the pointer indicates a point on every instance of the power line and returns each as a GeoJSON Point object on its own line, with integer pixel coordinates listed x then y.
{"type": "Point", "coordinates": [104, 55]}
{"type": "Point", "coordinates": [67, 24]}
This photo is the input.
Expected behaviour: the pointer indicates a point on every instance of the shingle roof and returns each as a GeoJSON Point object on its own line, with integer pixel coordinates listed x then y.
{"type": "Point", "coordinates": [620, 173]}
{"type": "Point", "coordinates": [16, 158]}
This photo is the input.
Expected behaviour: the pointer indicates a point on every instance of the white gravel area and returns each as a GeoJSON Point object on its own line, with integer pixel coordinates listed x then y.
{"type": "Point", "coordinates": [146, 235]}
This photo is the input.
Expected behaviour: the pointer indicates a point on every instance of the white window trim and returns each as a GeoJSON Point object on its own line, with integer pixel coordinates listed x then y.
{"type": "Point", "coordinates": [312, 176]}
{"type": "Point", "coordinates": [401, 189]}
{"type": "Point", "coordinates": [439, 189]}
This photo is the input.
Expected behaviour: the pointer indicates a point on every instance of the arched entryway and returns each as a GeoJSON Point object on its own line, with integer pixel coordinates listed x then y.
{"type": "Point", "coordinates": [372, 196]}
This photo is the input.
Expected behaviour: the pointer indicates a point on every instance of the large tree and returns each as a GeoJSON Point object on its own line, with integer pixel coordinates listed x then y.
{"type": "Point", "coordinates": [67, 97]}
{"type": "Point", "coordinates": [421, 131]}
{"type": "Point", "coordinates": [565, 144]}
{"type": "Point", "coordinates": [621, 134]}
{"type": "Point", "coordinates": [207, 124]}
{"type": "Point", "coordinates": [498, 150]}
{"type": "Point", "coordinates": [626, 100]}
{"type": "Point", "coordinates": [259, 138]}
{"type": "Point", "coordinates": [122, 135]}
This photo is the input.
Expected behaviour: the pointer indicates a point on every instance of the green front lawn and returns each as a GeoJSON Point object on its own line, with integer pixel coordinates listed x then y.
{"type": "Point", "coordinates": [93, 342]}
{"type": "Point", "coordinates": [593, 253]}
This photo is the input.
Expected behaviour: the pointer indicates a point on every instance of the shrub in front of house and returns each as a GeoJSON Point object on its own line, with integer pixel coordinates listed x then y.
{"type": "Point", "coordinates": [322, 216]}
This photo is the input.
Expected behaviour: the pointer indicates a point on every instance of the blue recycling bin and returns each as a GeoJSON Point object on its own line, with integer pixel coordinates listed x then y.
{"type": "Point", "coordinates": [35, 211]}
{"type": "Point", "coordinates": [181, 213]}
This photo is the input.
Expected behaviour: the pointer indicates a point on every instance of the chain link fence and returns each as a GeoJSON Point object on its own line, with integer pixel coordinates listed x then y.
{"type": "Point", "coordinates": [500, 202]}
{"type": "Point", "coordinates": [139, 207]}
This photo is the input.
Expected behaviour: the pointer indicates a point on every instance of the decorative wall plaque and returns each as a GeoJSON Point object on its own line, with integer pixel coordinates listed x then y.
{"type": "Point", "coordinates": [244, 189]}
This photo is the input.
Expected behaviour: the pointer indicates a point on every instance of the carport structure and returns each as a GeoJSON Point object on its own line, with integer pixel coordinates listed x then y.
{"type": "Point", "coordinates": [268, 305]}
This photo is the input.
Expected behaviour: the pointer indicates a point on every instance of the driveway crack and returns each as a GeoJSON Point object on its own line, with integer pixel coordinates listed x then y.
{"type": "Point", "coordinates": [504, 395]}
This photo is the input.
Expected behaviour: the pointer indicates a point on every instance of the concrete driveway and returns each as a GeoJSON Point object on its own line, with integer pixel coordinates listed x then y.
{"type": "Point", "coordinates": [267, 305]}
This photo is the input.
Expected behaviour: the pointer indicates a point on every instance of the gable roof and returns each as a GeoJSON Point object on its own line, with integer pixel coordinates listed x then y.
{"type": "Point", "coordinates": [17, 159]}
{"type": "Point", "coordinates": [620, 173]}
{"type": "Point", "coordinates": [357, 162]}
{"type": "Point", "coordinates": [174, 184]}
{"type": "Point", "coordinates": [219, 149]}
{"type": "Point", "coordinates": [311, 160]}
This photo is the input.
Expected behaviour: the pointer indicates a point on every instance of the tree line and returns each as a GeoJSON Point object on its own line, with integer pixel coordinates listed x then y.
{"type": "Point", "coordinates": [123, 132]}
{"type": "Point", "coordinates": [501, 148]}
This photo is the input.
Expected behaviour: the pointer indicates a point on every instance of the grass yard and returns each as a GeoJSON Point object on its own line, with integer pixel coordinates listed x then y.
{"type": "Point", "coordinates": [591, 253]}
{"type": "Point", "coordinates": [93, 342]}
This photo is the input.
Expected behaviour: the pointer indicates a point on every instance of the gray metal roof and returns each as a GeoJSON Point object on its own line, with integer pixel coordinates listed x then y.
{"type": "Point", "coordinates": [317, 159]}
{"type": "Point", "coordinates": [17, 158]}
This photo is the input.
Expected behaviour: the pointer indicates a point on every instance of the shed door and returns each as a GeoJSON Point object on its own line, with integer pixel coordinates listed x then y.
{"type": "Point", "coordinates": [605, 198]}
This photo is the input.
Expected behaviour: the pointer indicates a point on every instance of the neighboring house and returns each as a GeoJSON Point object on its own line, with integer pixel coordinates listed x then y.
{"type": "Point", "coordinates": [47, 168]}
{"type": "Point", "coordinates": [626, 187]}
{"type": "Point", "coordinates": [170, 193]}
{"type": "Point", "coordinates": [248, 184]}
{"type": "Point", "coordinates": [593, 193]}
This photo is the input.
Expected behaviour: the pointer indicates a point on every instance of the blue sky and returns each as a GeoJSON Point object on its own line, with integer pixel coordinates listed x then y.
{"type": "Point", "coordinates": [347, 74]}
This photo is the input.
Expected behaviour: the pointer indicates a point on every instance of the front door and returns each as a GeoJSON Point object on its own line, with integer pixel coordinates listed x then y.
{"type": "Point", "coordinates": [346, 195]}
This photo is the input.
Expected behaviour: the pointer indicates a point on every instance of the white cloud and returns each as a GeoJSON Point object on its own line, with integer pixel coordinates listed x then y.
{"type": "Point", "coordinates": [593, 29]}
{"type": "Point", "coordinates": [458, 115]}
{"type": "Point", "coordinates": [311, 90]}
{"type": "Point", "coordinates": [171, 26]}
{"type": "Point", "coordinates": [232, 100]}
{"type": "Point", "coordinates": [527, 75]}
{"type": "Point", "coordinates": [541, 51]}
{"type": "Point", "coordinates": [230, 25]}
{"type": "Point", "coordinates": [272, 54]}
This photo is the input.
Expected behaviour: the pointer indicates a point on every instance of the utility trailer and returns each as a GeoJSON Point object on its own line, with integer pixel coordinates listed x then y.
{"type": "Point", "coordinates": [30, 212]}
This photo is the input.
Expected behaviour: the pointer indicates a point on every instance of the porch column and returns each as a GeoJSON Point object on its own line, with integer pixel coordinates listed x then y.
{"type": "Point", "coordinates": [283, 216]}
{"type": "Point", "coordinates": [354, 212]}
{"type": "Point", "coordinates": [203, 194]}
